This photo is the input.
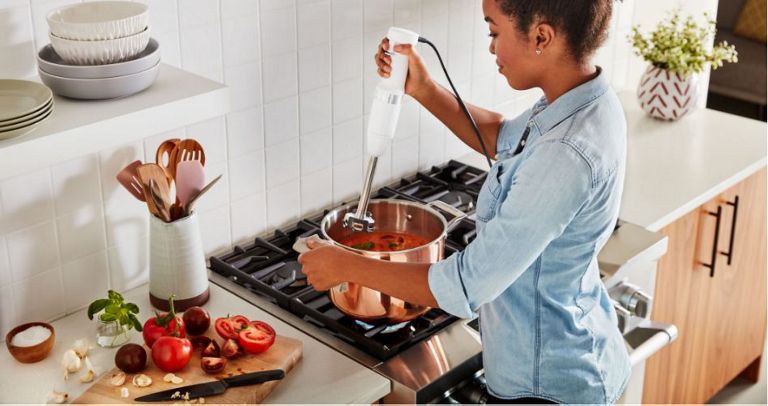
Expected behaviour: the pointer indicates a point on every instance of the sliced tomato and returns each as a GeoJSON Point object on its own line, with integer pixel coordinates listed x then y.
{"type": "Point", "coordinates": [229, 327]}
{"type": "Point", "coordinates": [257, 337]}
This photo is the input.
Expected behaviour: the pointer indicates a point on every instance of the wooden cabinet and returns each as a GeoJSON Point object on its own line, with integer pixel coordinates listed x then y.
{"type": "Point", "coordinates": [720, 312]}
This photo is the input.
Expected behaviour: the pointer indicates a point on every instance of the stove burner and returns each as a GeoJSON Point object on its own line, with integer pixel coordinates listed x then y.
{"type": "Point", "coordinates": [371, 330]}
{"type": "Point", "coordinates": [289, 274]}
{"type": "Point", "coordinates": [460, 200]}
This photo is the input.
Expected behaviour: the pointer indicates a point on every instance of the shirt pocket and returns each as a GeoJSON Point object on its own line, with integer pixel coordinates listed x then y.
{"type": "Point", "coordinates": [488, 198]}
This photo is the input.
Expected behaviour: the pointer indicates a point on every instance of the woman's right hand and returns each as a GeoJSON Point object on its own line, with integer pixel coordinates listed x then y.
{"type": "Point", "coordinates": [418, 79]}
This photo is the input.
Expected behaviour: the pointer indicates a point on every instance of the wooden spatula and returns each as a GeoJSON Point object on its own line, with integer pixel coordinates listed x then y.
{"type": "Point", "coordinates": [129, 178]}
{"type": "Point", "coordinates": [156, 190]}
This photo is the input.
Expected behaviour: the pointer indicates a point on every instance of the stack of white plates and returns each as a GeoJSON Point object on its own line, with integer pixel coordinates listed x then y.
{"type": "Point", "coordinates": [23, 106]}
{"type": "Point", "coordinates": [99, 50]}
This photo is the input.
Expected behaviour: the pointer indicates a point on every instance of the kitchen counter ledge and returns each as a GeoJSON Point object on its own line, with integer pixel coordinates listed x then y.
{"type": "Point", "coordinates": [321, 376]}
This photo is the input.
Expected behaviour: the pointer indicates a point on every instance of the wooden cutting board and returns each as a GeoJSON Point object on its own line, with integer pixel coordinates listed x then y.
{"type": "Point", "coordinates": [283, 354]}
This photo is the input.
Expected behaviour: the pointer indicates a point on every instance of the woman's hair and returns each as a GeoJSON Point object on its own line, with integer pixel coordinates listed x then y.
{"type": "Point", "coordinates": [584, 22]}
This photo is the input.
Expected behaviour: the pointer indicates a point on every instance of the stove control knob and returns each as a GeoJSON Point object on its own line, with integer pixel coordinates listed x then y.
{"type": "Point", "coordinates": [631, 298]}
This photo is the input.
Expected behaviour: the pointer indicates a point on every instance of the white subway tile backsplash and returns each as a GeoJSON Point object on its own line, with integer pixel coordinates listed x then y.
{"type": "Point", "coordinates": [7, 310]}
{"type": "Point", "coordinates": [201, 50]}
{"type": "Point", "coordinates": [249, 217]}
{"type": "Point", "coordinates": [25, 200]}
{"type": "Point", "coordinates": [282, 163]}
{"type": "Point", "coordinates": [283, 204]}
{"type": "Point", "coordinates": [244, 82]}
{"type": "Point", "coordinates": [163, 16]}
{"type": "Point", "coordinates": [347, 100]}
{"type": "Point", "coordinates": [129, 264]}
{"type": "Point", "coordinates": [81, 233]}
{"type": "Point", "coordinates": [238, 8]}
{"type": "Point", "coordinates": [278, 30]}
{"type": "Point", "coordinates": [280, 76]}
{"type": "Point", "coordinates": [314, 67]}
{"type": "Point", "coordinates": [170, 46]}
{"type": "Point", "coordinates": [346, 59]}
{"type": "Point", "coordinates": [198, 12]}
{"type": "Point", "coordinates": [405, 157]}
{"type": "Point", "coordinates": [84, 280]}
{"type": "Point", "coordinates": [40, 297]}
{"type": "Point", "coordinates": [346, 19]}
{"type": "Point", "coordinates": [76, 184]}
{"type": "Point", "coordinates": [267, 5]}
{"type": "Point", "coordinates": [408, 124]}
{"type": "Point", "coordinates": [378, 15]}
{"type": "Point", "coordinates": [212, 135]}
{"type": "Point", "coordinates": [240, 40]}
{"type": "Point", "coordinates": [314, 23]}
{"type": "Point", "coordinates": [32, 250]}
{"type": "Point", "coordinates": [315, 109]}
{"type": "Point", "coordinates": [127, 222]}
{"type": "Point", "coordinates": [218, 195]}
{"type": "Point", "coordinates": [316, 151]}
{"type": "Point", "coordinates": [246, 175]}
{"type": "Point", "coordinates": [281, 121]}
{"type": "Point", "coordinates": [347, 180]}
{"type": "Point", "coordinates": [348, 140]}
{"type": "Point", "coordinates": [316, 191]}
{"type": "Point", "coordinates": [217, 235]}
{"type": "Point", "coordinates": [16, 42]}
{"type": "Point", "coordinates": [431, 140]}
{"type": "Point", "coordinates": [407, 11]}
{"type": "Point", "coordinates": [5, 264]}
{"type": "Point", "coordinates": [245, 131]}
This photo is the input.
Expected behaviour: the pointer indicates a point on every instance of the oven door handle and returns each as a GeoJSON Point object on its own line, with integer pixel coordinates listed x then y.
{"type": "Point", "coordinates": [647, 339]}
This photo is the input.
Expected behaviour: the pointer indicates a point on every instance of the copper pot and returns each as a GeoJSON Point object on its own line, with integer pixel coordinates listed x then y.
{"type": "Point", "coordinates": [397, 216]}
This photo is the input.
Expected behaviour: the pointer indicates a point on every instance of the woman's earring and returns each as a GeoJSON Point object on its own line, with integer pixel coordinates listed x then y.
{"type": "Point", "coordinates": [538, 51]}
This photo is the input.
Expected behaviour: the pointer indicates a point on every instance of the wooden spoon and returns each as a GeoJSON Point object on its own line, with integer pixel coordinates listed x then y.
{"type": "Point", "coordinates": [129, 178]}
{"type": "Point", "coordinates": [156, 190]}
{"type": "Point", "coordinates": [164, 155]}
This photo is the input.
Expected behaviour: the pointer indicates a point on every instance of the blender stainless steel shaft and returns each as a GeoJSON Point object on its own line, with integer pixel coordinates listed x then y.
{"type": "Point", "coordinates": [382, 122]}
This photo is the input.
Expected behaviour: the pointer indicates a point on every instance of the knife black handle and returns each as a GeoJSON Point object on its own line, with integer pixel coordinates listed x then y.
{"type": "Point", "coordinates": [254, 378]}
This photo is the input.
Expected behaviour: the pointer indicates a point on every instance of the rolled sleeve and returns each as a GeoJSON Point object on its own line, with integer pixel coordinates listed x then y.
{"type": "Point", "coordinates": [448, 289]}
{"type": "Point", "coordinates": [544, 195]}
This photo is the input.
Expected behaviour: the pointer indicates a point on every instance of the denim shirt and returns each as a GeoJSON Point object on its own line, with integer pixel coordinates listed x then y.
{"type": "Point", "coordinates": [547, 324]}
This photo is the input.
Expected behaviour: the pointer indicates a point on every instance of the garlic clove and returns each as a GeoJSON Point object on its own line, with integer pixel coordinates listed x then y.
{"type": "Point", "coordinates": [117, 379]}
{"type": "Point", "coordinates": [81, 347]}
{"type": "Point", "coordinates": [71, 362]}
{"type": "Point", "coordinates": [142, 380]}
{"type": "Point", "coordinates": [168, 377]}
{"type": "Point", "coordinates": [124, 392]}
{"type": "Point", "coordinates": [177, 380]}
{"type": "Point", "coordinates": [58, 397]}
{"type": "Point", "coordinates": [88, 376]}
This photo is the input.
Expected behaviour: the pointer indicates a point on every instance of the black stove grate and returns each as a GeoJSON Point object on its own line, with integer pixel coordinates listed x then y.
{"type": "Point", "coordinates": [268, 266]}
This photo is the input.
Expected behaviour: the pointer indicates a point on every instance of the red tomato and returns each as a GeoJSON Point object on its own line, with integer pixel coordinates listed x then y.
{"type": "Point", "coordinates": [257, 337]}
{"type": "Point", "coordinates": [171, 353]}
{"type": "Point", "coordinates": [164, 324]}
{"type": "Point", "coordinates": [229, 327]}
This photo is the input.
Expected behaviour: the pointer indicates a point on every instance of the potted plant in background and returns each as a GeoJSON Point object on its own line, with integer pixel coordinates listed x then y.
{"type": "Point", "coordinates": [677, 52]}
{"type": "Point", "coordinates": [116, 321]}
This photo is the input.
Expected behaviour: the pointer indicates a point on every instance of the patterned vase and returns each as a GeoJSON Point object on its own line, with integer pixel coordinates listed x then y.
{"type": "Point", "coordinates": [666, 95]}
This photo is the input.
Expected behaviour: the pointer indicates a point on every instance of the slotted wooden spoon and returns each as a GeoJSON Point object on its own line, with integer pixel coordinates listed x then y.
{"type": "Point", "coordinates": [129, 178]}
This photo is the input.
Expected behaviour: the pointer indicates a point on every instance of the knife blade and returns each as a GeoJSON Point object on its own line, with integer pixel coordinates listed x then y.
{"type": "Point", "coordinates": [214, 387]}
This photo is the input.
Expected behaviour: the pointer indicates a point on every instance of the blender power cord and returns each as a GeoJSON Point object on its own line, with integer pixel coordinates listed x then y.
{"type": "Point", "coordinates": [461, 102]}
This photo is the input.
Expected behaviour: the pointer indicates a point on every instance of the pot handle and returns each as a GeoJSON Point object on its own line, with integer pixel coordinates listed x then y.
{"type": "Point", "coordinates": [444, 207]}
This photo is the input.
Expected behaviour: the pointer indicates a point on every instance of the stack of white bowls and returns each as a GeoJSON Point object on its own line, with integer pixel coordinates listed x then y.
{"type": "Point", "coordinates": [99, 50]}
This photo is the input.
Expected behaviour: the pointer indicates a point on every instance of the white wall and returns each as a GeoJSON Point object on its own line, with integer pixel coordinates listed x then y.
{"type": "Point", "coordinates": [301, 74]}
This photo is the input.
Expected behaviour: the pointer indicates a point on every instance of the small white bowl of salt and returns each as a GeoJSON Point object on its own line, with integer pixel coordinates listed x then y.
{"type": "Point", "coordinates": [30, 342]}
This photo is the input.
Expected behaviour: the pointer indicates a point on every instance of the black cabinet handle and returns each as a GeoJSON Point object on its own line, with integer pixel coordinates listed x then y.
{"type": "Point", "coordinates": [718, 214]}
{"type": "Point", "coordinates": [735, 204]}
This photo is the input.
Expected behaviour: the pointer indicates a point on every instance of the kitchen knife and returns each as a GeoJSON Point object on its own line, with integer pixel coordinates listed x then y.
{"type": "Point", "coordinates": [214, 387]}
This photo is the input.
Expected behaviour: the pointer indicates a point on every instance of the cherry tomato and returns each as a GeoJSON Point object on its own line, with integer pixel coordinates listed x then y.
{"type": "Point", "coordinates": [196, 320]}
{"type": "Point", "coordinates": [171, 353]}
{"type": "Point", "coordinates": [229, 327]}
{"type": "Point", "coordinates": [257, 337]}
{"type": "Point", "coordinates": [164, 324]}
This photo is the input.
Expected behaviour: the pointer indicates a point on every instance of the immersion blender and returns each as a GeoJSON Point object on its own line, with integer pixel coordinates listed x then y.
{"type": "Point", "coordinates": [387, 100]}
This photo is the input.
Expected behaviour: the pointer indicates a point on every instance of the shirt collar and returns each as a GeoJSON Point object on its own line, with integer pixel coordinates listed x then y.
{"type": "Point", "coordinates": [548, 116]}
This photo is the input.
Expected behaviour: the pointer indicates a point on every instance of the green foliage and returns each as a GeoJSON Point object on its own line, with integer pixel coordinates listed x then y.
{"type": "Point", "coordinates": [115, 309]}
{"type": "Point", "coordinates": [680, 46]}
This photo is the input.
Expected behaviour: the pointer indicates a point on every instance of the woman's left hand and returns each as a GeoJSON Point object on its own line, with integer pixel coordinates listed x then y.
{"type": "Point", "coordinates": [325, 265]}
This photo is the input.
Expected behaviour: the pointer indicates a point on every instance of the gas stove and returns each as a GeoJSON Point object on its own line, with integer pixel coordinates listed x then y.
{"type": "Point", "coordinates": [436, 357]}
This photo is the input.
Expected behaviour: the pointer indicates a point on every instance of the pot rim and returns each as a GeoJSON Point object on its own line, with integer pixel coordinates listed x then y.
{"type": "Point", "coordinates": [326, 222]}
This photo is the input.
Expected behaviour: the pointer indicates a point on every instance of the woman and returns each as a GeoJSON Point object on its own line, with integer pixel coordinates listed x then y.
{"type": "Point", "coordinates": [547, 207]}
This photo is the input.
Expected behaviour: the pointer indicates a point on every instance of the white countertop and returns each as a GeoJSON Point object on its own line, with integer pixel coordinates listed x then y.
{"type": "Point", "coordinates": [674, 167]}
{"type": "Point", "coordinates": [321, 376]}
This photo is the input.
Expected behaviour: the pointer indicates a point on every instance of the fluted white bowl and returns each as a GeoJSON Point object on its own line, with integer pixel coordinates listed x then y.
{"type": "Point", "coordinates": [99, 20]}
{"type": "Point", "coordinates": [100, 52]}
